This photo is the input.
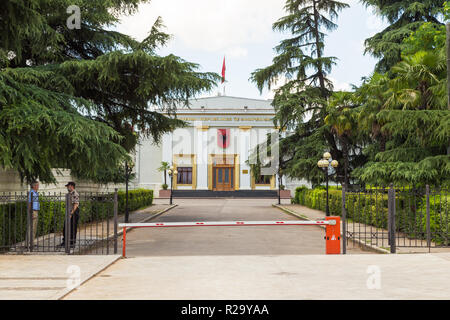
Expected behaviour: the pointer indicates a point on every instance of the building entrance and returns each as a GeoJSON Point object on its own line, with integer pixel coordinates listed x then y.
{"type": "Point", "coordinates": [223, 178]}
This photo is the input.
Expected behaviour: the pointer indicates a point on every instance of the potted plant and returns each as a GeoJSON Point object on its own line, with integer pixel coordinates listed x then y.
{"type": "Point", "coordinates": [284, 194]}
{"type": "Point", "coordinates": [164, 167]}
{"type": "Point", "coordinates": [164, 193]}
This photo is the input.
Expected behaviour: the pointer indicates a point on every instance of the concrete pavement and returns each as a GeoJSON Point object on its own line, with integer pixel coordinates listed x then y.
{"type": "Point", "coordinates": [228, 263]}
{"type": "Point", "coordinates": [46, 277]}
{"type": "Point", "coordinates": [418, 276]}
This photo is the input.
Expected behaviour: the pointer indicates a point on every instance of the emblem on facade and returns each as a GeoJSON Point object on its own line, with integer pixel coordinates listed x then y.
{"type": "Point", "coordinates": [223, 138]}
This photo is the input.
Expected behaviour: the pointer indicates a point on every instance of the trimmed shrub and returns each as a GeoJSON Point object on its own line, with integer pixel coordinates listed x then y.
{"type": "Point", "coordinates": [372, 209]}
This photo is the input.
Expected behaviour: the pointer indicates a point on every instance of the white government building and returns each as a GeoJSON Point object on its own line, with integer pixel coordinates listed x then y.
{"type": "Point", "coordinates": [211, 153]}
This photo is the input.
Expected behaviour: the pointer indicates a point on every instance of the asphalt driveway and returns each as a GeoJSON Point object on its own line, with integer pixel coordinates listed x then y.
{"type": "Point", "coordinates": [248, 240]}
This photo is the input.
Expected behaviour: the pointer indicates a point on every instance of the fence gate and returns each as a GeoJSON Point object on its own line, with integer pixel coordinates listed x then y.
{"type": "Point", "coordinates": [96, 231]}
{"type": "Point", "coordinates": [395, 217]}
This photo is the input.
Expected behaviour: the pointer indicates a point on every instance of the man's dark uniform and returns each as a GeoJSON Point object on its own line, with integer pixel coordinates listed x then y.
{"type": "Point", "coordinates": [74, 197]}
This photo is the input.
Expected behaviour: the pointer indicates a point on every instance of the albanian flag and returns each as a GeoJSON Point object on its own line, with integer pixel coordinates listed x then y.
{"type": "Point", "coordinates": [223, 138]}
{"type": "Point", "coordinates": [223, 70]}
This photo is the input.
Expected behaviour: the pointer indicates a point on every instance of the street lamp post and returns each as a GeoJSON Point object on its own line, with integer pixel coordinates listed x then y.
{"type": "Point", "coordinates": [171, 173]}
{"type": "Point", "coordinates": [128, 171]}
{"type": "Point", "coordinates": [279, 185]}
{"type": "Point", "coordinates": [327, 164]}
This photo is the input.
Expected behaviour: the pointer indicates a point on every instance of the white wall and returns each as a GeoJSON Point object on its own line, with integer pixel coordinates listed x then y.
{"type": "Point", "coordinates": [148, 159]}
{"type": "Point", "coordinates": [10, 182]}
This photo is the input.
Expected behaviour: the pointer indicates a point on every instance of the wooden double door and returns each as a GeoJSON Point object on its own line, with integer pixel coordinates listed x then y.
{"type": "Point", "coordinates": [223, 178]}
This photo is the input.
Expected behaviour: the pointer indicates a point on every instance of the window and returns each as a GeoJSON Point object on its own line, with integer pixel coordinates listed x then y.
{"type": "Point", "coordinates": [263, 179]}
{"type": "Point", "coordinates": [184, 175]}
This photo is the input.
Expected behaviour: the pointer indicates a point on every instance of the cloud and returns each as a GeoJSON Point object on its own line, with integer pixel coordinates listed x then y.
{"type": "Point", "coordinates": [209, 25]}
{"type": "Point", "coordinates": [236, 52]}
{"type": "Point", "coordinates": [340, 86]}
{"type": "Point", "coordinates": [351, 2]}
{"type": "Point", "coordinates": [281, 81]}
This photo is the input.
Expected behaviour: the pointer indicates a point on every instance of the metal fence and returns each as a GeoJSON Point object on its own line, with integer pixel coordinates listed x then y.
{"type": "Point", "coordinates": [392, 217]}
{"type": "Point", "coordinates": [92, 231]}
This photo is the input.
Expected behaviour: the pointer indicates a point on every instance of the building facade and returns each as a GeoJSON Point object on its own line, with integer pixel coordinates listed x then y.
{"type": "Point", "coordinates": [213, 151]}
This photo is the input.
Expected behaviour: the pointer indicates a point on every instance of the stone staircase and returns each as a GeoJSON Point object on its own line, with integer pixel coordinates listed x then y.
{"type": "Point", "coordinates": [225, 194]}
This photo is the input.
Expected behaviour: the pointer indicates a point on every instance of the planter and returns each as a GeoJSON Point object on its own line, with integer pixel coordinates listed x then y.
{"type": "Point", "coordinates": [164, 193]}
{"type": "Point", "coordinates": [285, 194]}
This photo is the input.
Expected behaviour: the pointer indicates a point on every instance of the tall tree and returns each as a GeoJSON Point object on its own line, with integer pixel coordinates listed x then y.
{"type": "Point", "coordinates": [73, 98]}
{"type": "Point", "coordinates": [300, 103]}
{"type": "Point", "coordinates": [407, 112]}
{"type": "Point", "coordinates": [404, 17]}
{"type": "Point", "coordinates": [342, 117]}
{"type": "Point", "coordinates": [415, 119]}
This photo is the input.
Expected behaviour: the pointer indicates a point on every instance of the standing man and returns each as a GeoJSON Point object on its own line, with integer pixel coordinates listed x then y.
{"type": "Point", "coordinates": [33, 199]}
{"type": "Point", "coordinates": [74, 202]}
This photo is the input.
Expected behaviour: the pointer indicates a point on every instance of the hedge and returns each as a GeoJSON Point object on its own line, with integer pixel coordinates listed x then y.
{"type": "Point", "coordinates": [13, 216]}
{"type": "Point", "coordinates": [372, 209]}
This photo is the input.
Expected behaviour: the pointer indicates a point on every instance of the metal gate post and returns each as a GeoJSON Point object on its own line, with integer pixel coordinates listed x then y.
{"type": "Point", "coordinates": [344, 221]}
{"type": "Point", "coordinates": [115, 220]}
{"type": "Point", "coordinates": [428, 218]}
{"type": "Point", "coordinates": [391, 218]}
{"type": "Point", "coordinates": [29, 237]}
{"type": "Point", "coordinates": [67, 228]}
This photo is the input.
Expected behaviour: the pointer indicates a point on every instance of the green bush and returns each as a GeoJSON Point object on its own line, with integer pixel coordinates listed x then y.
{"type": "Point", "coordinates": [439, 218]}
{"type": "Point", "coordinates": [13, 216]}
{"type": "Point", "coordinates": [372, 209]}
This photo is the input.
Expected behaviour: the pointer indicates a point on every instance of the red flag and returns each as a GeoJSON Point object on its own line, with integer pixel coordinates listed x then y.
{"type": "Point", "coordinates": [223, 138]}
{"type": "Point", "coordinates": [223, 70]}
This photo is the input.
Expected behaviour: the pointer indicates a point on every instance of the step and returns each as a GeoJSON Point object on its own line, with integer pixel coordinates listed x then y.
{"type": "Point", "coordinates": [225, 194]}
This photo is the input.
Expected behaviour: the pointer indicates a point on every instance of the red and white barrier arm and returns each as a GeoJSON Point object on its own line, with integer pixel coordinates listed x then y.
{"type": "Point", "coordinates": [225, 223]}
{"type": "Point", "coordinates": [332, 224]}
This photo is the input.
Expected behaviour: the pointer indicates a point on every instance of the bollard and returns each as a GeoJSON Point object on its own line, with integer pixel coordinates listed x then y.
{"type": "Point", "coordinates": [333, 236]}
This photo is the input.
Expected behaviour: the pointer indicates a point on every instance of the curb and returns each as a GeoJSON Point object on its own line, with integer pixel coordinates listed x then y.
{"type": "Point", "coordinates": [66, 291]}
{"type": "Point", "coordinates": [359, 242]}
{"type": "Point", "coordinates": [120, 233]}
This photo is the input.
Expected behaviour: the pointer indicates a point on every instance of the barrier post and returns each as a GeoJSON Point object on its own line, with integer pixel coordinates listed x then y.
{"type": "Point", "coordinates": [124, 242]}
{"type": "Point", "coordinates": [333, 236]}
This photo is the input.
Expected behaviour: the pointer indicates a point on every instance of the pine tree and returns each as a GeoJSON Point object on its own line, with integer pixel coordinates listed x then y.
{"type": "Point", "coordinates": [301, 102]}
{"type": "Point", "coordinates": [405, 17]}
{"type": "Point", "coordinates": [415, 119]}
{"type": "Point", "coordinates": [74, 99]}
{"type": "Point", "coordinates": [407, 113]}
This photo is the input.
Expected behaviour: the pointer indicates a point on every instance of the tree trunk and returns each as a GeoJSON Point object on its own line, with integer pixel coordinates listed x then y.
{"type": "Point", "coordinates": [319, 53]}
{"type": "Point", "coordinates": [346, 177]}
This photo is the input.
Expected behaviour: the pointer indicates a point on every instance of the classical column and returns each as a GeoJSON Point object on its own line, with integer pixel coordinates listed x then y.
{"type": "Point", "coordinates": [202, 157]}
{"type": "Point", "coordinates": [244, 141]}
{"type": "Point", "coordinates": [167, 154]}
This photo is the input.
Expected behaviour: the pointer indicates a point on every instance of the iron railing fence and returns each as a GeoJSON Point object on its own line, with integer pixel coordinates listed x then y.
{"type": "Point", "coordinates": [391, 217]}
{"type": "Point", "coordinates": [96, 228]}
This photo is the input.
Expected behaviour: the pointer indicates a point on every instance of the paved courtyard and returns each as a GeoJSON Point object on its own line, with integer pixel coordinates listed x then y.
{"type": "Point", "coordinates": [228, 263]}
{"type": "Point", "coordinates": [290, 277]}
{"type": "Point", "coordinates": [252, 240]}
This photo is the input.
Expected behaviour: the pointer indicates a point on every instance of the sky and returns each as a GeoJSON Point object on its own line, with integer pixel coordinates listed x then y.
{"type": "Point", "coordinates": [204, 31]}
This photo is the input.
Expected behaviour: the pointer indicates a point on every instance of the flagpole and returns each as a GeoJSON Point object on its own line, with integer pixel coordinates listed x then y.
{"type": "Point", "coordinates": [223, 75]}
